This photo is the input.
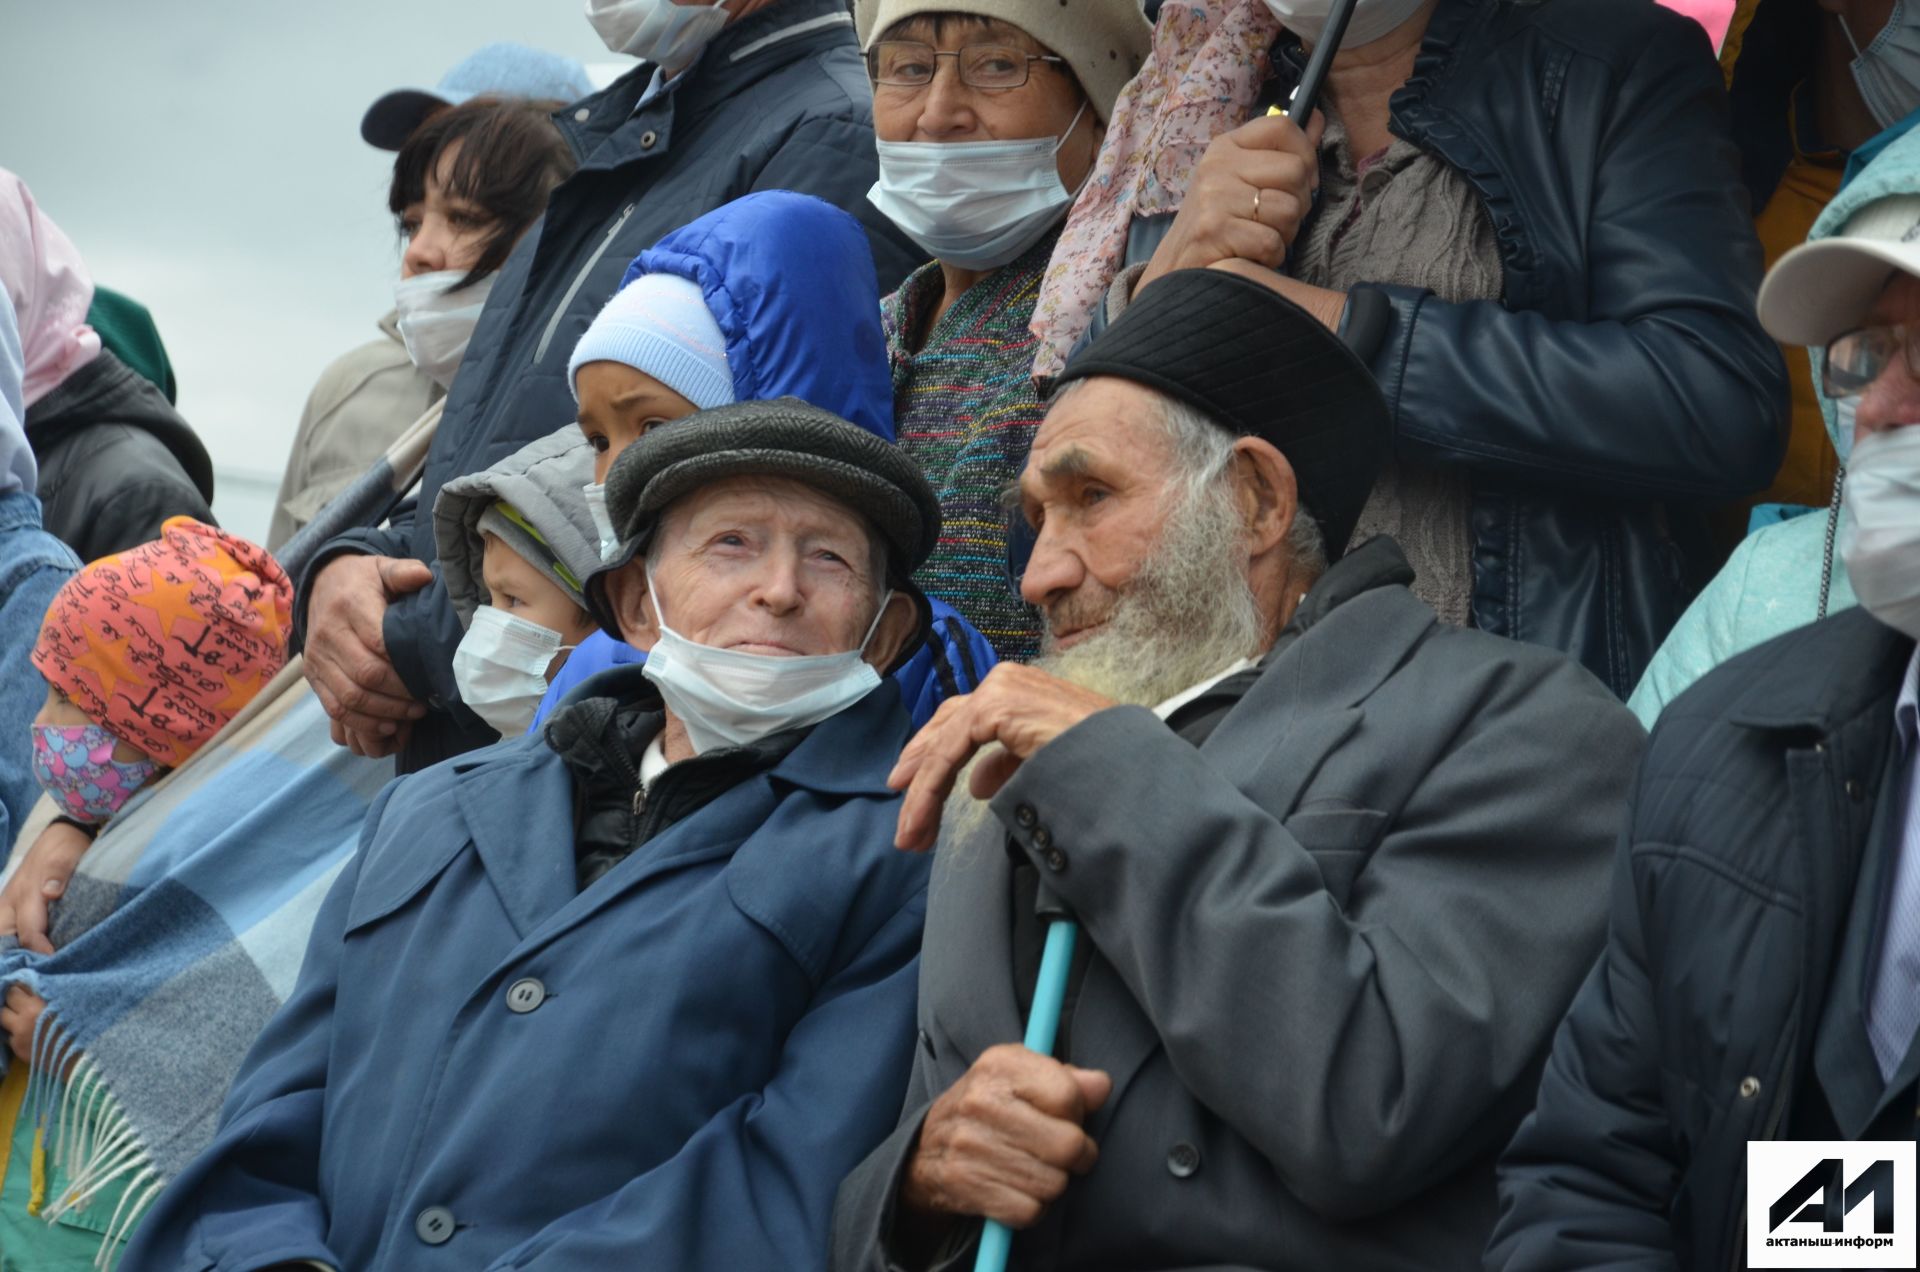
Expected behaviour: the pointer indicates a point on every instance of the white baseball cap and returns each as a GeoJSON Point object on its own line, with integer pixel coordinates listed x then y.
{"type": "Point", "coordinates": [1825, 289]}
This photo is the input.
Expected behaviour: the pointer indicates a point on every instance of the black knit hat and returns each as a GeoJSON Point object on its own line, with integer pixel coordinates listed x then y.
{"type": "Point", "coordinates": [1257, 364]}
{"type": "Point", "coordinates": [784, 437]}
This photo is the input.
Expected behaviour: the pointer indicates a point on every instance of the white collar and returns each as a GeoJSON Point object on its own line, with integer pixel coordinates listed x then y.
{"type": "Point", "coordinates": [1166, 709]}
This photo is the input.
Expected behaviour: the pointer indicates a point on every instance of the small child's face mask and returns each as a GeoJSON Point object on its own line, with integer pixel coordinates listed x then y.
{"type": "Point", "coordinates": [74, 764]}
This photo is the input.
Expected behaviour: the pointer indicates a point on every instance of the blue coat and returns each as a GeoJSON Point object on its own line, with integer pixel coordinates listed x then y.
{"type": "Point", "coordinates": [484, 1067]}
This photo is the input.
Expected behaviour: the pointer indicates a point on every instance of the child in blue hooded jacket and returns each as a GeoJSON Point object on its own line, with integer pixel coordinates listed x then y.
{"type": "Point", "coordinates": [769, 296]}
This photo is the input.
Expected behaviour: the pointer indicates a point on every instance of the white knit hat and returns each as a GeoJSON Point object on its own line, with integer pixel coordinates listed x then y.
{"type": "Point", "coordinates": [660, 324]}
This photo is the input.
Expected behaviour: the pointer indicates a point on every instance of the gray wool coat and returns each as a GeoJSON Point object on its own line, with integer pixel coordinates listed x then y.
{"type": "Point", "coordinates": [1331, 945]}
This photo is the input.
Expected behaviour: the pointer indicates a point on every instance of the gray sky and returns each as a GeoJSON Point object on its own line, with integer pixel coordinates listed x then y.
{"type": "Point", "coordinates": [205, 156]}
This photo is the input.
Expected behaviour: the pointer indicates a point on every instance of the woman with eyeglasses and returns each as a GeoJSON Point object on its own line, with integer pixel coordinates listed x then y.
{"type": "Point", "coordinates": [989, 114]}
{"type": "Point", "coordinates": [1785, 575]}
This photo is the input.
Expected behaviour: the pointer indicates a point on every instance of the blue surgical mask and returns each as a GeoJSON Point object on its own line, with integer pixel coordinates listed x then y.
{"type": "Point", "coordinates": [973, 204]}
{"type": "Point", "coordinates": [726, 697]}
{"type": "Point", "coordinates": [1887, 71]}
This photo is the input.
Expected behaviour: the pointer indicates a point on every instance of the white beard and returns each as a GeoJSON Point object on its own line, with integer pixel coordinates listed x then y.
{"type": "Point", "coordinates": [1186, 614]}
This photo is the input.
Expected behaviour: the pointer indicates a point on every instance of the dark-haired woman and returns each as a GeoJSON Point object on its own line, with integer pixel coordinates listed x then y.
{"type": "Point", "coordinates": [466, 186]}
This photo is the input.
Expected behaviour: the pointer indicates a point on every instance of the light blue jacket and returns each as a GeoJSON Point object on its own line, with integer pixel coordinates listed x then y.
{"type": "Point", "coordinates": [485, 1067]}
{"type": "Point", "coordinates": [1772, 582]}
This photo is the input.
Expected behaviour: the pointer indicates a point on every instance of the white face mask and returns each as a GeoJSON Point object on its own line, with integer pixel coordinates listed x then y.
{"type": "Point", "coordinates": [1887, 72]}
{"type": "Point", "coordinates": [659, 31]}
{"type": "Point", "coordinates": [728, 698]}
{"type": "Point", "coordinates": [596, 496]}
{"type": "Point", "coordinates": [436, 323]}
{"type": "Point", "coordinates": [1371, 18]}
{"type": "Point", "coordinates": [1881, 542]}
{"type": "Point", "coordinates": [501, 668]}
{"type": "Point", "coordinates": [974, 204]}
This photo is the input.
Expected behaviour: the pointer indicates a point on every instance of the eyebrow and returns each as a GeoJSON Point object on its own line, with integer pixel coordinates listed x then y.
{"type": "Point", "coordinates": [1072, 463]}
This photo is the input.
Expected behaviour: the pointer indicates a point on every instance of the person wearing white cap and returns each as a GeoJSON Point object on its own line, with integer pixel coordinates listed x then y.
{"type": "Point", "coordinates": [989, 114]}
{"type": "Point", "coordinates": [1783, 576]}
{"type": "Point", "coordinates": [1761, 979]}
{"type": "Point", "coordinates": [369, 395]}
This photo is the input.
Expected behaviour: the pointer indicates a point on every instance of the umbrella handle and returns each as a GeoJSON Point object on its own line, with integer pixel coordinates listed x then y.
{"type": "Point", "coordinates": [1043, 1026]}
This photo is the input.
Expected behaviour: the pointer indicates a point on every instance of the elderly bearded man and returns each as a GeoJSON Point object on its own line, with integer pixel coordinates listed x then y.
{"type": "Point", "coordinates": [1336, 888]}
{"type": "Point", "coordinates": [636, 992]}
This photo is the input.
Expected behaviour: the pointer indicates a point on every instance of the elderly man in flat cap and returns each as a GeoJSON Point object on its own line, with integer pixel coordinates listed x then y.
{"type": "Point", "coordinates": [637, 992]}
{"type": "Point", "coordinates": [1339, 868]}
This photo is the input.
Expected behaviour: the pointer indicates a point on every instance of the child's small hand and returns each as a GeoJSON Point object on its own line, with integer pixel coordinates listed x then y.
{"type": "Point", "coordinates": [18, 1015]}
{"type": "Point", "coordinates": [41, 880]}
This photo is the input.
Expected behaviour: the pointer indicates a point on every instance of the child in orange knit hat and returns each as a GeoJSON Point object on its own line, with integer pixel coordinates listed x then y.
{"type": "Point", "coordinates": [146, 655]}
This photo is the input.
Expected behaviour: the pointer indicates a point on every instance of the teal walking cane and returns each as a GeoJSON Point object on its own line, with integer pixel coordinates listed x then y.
{"type": "Point", "coordinates": [1043, 1026]}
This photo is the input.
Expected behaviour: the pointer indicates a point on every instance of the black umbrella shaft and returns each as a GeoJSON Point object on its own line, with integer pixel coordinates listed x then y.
{"type": "Point", "coordinates": [1307, 93]}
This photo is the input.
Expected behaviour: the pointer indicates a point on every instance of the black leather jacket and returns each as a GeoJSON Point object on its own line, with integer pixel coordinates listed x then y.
{"type": "Point", "coordinates": [1624, 384]}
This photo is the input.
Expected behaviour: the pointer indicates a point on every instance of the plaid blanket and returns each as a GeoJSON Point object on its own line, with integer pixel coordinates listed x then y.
{"type": "Point", "coordinates": [180, 935]}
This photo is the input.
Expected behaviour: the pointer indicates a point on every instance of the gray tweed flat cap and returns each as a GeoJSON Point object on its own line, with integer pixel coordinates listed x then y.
{"type": "Point", "coordinates": [784, 437]}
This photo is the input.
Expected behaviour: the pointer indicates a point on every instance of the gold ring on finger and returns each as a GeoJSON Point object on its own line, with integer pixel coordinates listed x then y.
{"type": "Point", "coordinates": [1256, 203]}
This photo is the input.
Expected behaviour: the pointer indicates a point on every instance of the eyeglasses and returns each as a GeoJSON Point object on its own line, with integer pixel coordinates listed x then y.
{"type": "Point", "coordinates": [1858, 358]}
{"type": "Point", "coordinates": [910, 64]}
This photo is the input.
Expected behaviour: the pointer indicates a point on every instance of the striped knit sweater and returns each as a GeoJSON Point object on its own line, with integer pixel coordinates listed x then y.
{"type": "Point", "coordinates": [964, 407]}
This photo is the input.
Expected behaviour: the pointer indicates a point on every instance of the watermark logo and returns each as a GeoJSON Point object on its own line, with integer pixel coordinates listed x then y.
{"type": "Point", "coordinates": [1830, 1204]}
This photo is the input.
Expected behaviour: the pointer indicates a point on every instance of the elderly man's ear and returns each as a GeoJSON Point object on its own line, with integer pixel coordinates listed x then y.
{"type": "Point", "coordinates": [897, 625]}
{"type": "Point", "coordinates": [627, 598]}
{"type": "Point", "coordinates": [1264, 488]}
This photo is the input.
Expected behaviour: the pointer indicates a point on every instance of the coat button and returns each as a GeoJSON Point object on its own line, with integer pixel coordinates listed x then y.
{"type": "Point", "coordinates": [1182, 1160]}
{"type": "Point", "coordinates": [1055, 859]}
{"type": "Point", "coordinates": [1024, 817]}
{"type": "Point", "coordinates": [434, 1225]}
{"type": "Point", "coordinates": [582, 115]}
{"type": "Point", "coordinates": [1749, 1087]}
{"type": "Point", "coordinates": [1043, 839]}
{"type": "Point", "coordinates": [524, 995]}
{"type": "Point", "coordinates": [647, 139]}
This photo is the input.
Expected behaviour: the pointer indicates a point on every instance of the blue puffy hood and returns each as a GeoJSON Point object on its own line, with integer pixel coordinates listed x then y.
{"type": "Point", "coordinates": [790, 280]}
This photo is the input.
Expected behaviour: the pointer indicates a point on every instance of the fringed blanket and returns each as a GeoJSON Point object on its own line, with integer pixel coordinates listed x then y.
{"type": "Point", "coordinates": [181, 933]}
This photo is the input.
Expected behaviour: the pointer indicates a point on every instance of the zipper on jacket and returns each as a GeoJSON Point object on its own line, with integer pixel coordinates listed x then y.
{"type": "Point", "coordinates": [579, 280]}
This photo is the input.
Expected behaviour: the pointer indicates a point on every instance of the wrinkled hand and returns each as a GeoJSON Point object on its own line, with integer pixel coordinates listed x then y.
{"type": "Point", "coordinates": [40, 881]}
{"type": "Point", "coordinates": [1221, 220]}
{"type": "Point", "coordinates": [346, 653]}
{"type": "Point", "coordinates": [1003, 1141]}
{"type": "Point", "coordinates": [1017, 707]}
